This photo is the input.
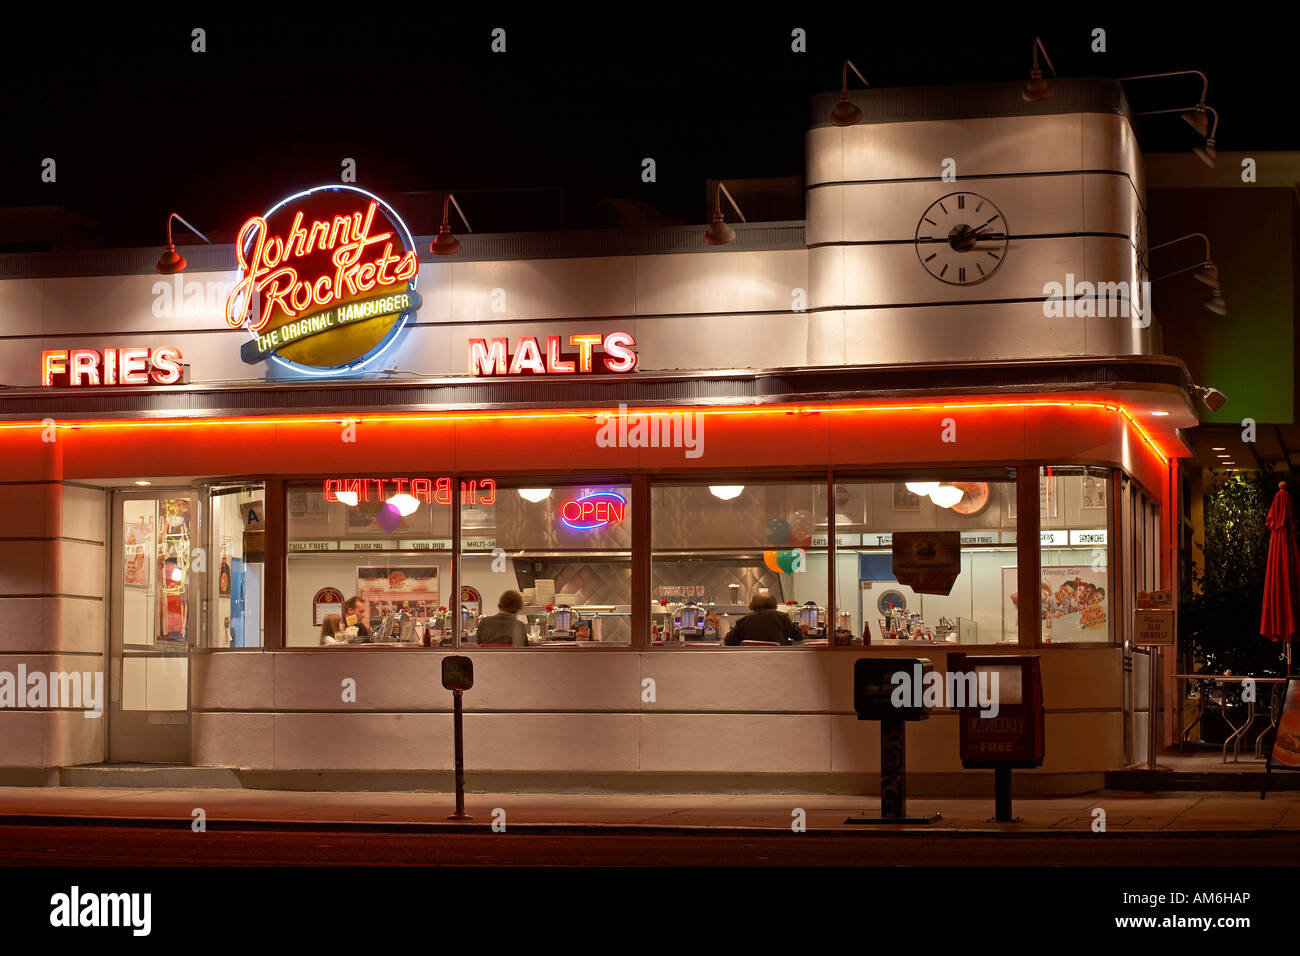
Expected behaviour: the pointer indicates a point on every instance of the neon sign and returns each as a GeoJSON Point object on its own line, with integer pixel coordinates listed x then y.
{"type": "Point", "coordinates": [479, 491]}
{"type": "Point", "coordinates": [327, 281]}
{"type": "Point", "coordinates": [595, 510]}
{"type": "Point", "coordinates": [129, 366]}
{"type": "Point", "coordinates": [494, 356]}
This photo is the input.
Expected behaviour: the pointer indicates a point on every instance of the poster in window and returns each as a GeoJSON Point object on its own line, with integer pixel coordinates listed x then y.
{"type": "Point", "coordinates": [387, 589]}
{"type": "Point", "coordinates": [1093, 492]}
{"type": "Point", "coordinates": [307, 503]}
{"type": "Point", "coordinates": [905, 500]}
{"type": "Point", "coordinates": [364, 518]}
{"type": "Point", "coordinates": [137, 552]}
{"type": "Point", "coordinates": [1072, 602]}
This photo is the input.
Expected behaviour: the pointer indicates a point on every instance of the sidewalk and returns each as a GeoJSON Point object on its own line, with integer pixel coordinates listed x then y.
{"type": "Point", "coordinates": [1163, 814]}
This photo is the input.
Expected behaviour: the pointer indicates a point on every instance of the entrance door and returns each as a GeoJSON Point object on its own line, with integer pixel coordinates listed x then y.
{"type": "Point", "coordinates": [153, 625]}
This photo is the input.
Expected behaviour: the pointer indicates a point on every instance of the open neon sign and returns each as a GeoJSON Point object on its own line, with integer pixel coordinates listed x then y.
{"type": "Point", "coordinates": [596, 510]}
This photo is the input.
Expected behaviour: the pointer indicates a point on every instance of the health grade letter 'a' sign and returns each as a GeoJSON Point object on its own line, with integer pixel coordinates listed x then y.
{"type": "Point", "coordinates": [328, 281]}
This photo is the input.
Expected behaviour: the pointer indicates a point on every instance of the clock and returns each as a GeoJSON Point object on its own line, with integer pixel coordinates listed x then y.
{"type": "Point", "coordinates": [962, 238]}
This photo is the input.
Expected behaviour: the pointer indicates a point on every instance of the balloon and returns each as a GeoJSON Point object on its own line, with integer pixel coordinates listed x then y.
{"type": "Point", "coordinates": [388, 517]}
{"type": "Point", "coordinates": [782, 562]}
{"type": "Point", "coordinates": [778, 531]}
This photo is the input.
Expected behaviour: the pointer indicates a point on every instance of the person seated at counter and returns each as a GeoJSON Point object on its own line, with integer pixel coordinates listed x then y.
{"type": "Point", "coordinates": [355, 614]}
{"type": "Point", "coordinates": [764, 623]}
{"type": "Point", "coordinates": [331, 632]}
{"type": "Point", "coordinates": [504, 628]}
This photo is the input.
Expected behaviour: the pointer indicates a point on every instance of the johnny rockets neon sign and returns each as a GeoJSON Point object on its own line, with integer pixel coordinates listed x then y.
{"type": "Point", "coordinates": [494, 356]}
{"type": "Point", "coordinates": [328, 280]}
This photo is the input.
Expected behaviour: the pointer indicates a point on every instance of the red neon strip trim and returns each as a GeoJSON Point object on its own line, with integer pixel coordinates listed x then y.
{"type": "Point", "coordinates": [432, 417]}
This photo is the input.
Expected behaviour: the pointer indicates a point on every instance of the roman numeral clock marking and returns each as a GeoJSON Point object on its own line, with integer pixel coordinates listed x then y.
{"type": "Point", "coordinates": [958, 235]}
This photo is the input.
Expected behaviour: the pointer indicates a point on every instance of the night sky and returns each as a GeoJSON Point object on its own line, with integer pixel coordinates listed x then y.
{"type": "Point", "coordinates": [139, 125]}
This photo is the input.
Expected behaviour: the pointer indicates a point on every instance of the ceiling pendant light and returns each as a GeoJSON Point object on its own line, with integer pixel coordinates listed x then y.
{"type": "Point", "coordinates": [534, 494]}
{"type": "Point", "coordinates": [405, 504]}
{"type": "Point", "coordinates": [726, 492]}
{"type": "Point", "coordinates": [921, 488]}
{"type": "Point", "coordinates": [349, 498]}
{"type": "Point", "coordinates": [945, 496]}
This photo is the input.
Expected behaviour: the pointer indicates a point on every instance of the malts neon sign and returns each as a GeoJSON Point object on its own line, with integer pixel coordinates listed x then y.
{"type": "Point", "coordinates": [327, 280]}
{"type": "Point", "coordinates": [113, 366]}
{"type": "Point", "coordinates": [596, 510]}
{"type": "Point", "coordinates": [479, 491]}
{"type": "Point", "coordinates": [495, 357]}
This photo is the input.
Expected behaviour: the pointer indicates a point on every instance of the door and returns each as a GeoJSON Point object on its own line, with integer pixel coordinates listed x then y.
{"type": "Point", "coordinates": [153, 624]}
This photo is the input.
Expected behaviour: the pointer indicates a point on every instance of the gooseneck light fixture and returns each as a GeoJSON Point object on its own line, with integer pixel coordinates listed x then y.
{"type": "Point", "coordinates": [171, 261]}
{"type": "Point", "coordinates": [1037, 90]}
{"type": "Point", "coordinates": [1205, 152]}
{"type": "Point", "coordinates": [1212, 397]}
{"type": "Point", "coordinates": [719, 233]}
{"type": "Point", "coordinates": [1193, 116]}
{"type": "Point", "coordinates": [446, 244]}
{"type": "Point", "coordinates": [1204, 271]}
{"type": "Point", "coordinates": [845, 113]}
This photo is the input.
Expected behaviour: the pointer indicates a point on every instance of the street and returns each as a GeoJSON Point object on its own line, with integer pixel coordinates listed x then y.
{"type": "Point", "coordinates": [136, 845]}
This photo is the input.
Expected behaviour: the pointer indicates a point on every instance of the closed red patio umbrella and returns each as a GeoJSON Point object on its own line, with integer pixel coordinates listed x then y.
{"type": "Point", "coordinates": [1282, 574]}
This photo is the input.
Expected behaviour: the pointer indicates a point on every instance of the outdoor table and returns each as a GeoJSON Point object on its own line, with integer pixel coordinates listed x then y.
{"type": "Point", "coordinates": [1238, 733]}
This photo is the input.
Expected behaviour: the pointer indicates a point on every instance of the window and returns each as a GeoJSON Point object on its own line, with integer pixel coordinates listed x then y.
{"type": "Point", "coordinates": [233, 587]}
{"type": "Point", "coordinates": [385, 542]}
{"type": "Point", "coordinates": [565, 548]}
{"type": "Point", "coordinates": [716, 547]}
{"type": "Point", "coordinates": [877, 519]}
{"type": "Point", "coordinates": [1074, 511]}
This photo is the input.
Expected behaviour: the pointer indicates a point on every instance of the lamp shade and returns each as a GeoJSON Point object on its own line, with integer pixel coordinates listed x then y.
{"type": "Point", "coordinates": [726, 492]}
{"type": "Point", "coordinates": [945, 496]}
{"type": "Point", "coordinates": [171, 262]}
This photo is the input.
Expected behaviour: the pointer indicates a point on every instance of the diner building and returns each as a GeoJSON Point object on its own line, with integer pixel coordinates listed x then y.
{"type": "Point", "coordinates": [638, 431]}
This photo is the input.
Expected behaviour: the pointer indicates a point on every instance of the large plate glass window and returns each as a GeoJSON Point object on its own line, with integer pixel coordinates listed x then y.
{"type": "Point", "coordinates": [546, 564]}
{"type": "Point", "coordinates": [369, 562]}
{"type": "Point", "coordinates": [927, 557]}
{"type": "Point", "coordinates": [721, 547]}
{"type": "Point", "coordinates": [1074, 516]}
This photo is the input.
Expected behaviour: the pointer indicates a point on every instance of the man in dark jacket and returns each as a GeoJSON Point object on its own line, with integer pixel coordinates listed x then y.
{"type": "Point", "coordinates": [504, 627]}
{"type": "Point", "coordinates": [766, 623]}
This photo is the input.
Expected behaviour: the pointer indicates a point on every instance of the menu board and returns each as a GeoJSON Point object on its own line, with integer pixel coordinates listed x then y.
{"type": "Point", "coordinates": [927, 561]}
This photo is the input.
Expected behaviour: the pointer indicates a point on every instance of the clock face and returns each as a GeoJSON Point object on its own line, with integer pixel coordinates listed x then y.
{"type": "Point", "coordinates": [961, 239]}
